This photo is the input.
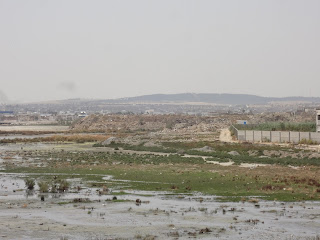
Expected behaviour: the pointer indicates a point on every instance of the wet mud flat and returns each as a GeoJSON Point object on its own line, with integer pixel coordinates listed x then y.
{"type": "Point", "coordinates": [86, 211]}
{"type": "Point", "coordinates": [87, 214]}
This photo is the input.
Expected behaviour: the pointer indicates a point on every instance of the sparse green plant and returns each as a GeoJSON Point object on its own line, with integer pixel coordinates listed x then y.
{"type": "Point", "coordinates": [307, 141]}
{"type": "Point", "coordinates": [280, 126]}
{"type": "Point", "coordinates": [30, 183]}
{"type": "Point", "coordinates": [43, 187]}
{"type": "Point", "coordinates": [265, 139]}
{"type": "Point", "coordinates": [53, 188]}
{"type": "Point", "coordinates": [63, 185]}
{"type": "Point", "coordinates": [60, 185]}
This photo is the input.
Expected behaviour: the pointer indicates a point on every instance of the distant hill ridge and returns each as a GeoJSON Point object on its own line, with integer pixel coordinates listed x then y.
{"type": "Point", "coordinates": [224, 98]}
{"type": "Point", "coordinates": [213, 98]}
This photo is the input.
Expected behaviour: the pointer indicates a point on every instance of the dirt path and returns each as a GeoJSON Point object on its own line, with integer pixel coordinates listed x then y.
{"type": "Point", "coordinates": [225, 135]}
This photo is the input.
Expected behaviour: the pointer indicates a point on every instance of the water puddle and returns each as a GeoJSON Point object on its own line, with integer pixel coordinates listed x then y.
{"type": "Point", "coordinates": [163, 214]}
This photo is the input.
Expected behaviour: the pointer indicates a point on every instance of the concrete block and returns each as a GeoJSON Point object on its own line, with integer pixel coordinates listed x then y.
{"type": "Point", "coordinates": [294, 137]}
{"type": "Point", "coordinates": [266, 136]}
{"type": "Point", "coordinates": [249, 136]}
{"type": "Point", "coordinates": [275, 136]}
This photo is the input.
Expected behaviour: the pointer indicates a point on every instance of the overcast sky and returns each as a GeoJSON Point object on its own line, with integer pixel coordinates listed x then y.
{"type": "Point", "coordinates": [63, 49]}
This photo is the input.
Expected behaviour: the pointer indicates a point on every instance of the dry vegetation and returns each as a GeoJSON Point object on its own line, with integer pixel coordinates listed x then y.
{"type": "Point", "coordinates": [78, 138]}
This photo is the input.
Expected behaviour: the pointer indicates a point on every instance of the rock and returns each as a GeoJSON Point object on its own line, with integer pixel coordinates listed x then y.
{"type": "Point", "coordinates": [253, 153]}
{"type": "Point", "coordinates": [151, 144]}
{"type": "Point", "coordinates": [234, 153]}
{"type": "Point", "coordinates": [205, 230]}
{"type": "Point", "coordinates": [109, 141]}
{"type": "Point", "coordinates": [138, 202]}
{"type": "Point", "coordinates": [181, 152]}
{"type": "Point", "coordinates": [205, 149]}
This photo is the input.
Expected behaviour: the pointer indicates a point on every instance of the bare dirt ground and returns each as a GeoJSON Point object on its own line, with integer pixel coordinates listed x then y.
{"type": "Point", "coordinates": [225, 135]}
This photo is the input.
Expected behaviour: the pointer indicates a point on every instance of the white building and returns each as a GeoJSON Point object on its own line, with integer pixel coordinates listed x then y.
{"type": "Point", "coordinates": [242, 122]}
{"type": "Point", "coordinates": [318, 120]}
{"type": "Point", "coordinates": [82, 114]}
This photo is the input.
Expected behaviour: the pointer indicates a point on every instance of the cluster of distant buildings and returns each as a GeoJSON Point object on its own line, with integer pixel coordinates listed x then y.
{"type": "Point", "coordinates": [27, 118]}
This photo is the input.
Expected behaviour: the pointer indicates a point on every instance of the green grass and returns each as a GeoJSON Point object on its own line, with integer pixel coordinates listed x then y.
{"type": "Point", "coordinates": [139, 147]}
{"type": "Point", "coordinates": [64, 203]}
{"type": "Point", "coordinates": [119, 200]}
{"type": "Point", "coordinates": [228, 186]}
{"type": "Point", "coordinates": [279, 126]}
{"type": "Point", "coordinates": [220, 154]}
{"type": "Point", "coordinates": [180, 175]}
{"type": "Point", "coordinates": [120, 193]}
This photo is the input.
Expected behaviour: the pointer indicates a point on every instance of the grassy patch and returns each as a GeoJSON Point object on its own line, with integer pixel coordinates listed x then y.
{"type": "Point", "coordinates": [279, 126]}
{"type": "Point", "coordinates": [228, 182]}
{"type": "Point", "coordinates": [183, 175]}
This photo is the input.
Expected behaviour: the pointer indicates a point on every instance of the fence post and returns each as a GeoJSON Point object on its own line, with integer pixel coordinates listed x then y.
{"type": "Point", "coordinates": [270, 136]}
{"type": "Point", "coordinates": [299, 138]}
{"type": "Point", "coordinates": [289, 137]}
{"type": "Point", "coordinates": [280, 136]}
{"type": "Point", "coordinates": [236, 131]}
{"type": "Point", "coordinates": [245, 135]}
{"type": "Point", "coordinates": [309, 136]}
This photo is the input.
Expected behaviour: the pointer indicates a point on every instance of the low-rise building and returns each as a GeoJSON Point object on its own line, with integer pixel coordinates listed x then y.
{"type": "Point", "coordinates": [318, 120]}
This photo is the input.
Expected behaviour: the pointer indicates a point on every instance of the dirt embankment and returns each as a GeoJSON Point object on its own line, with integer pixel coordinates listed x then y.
{"type": "Point", "coordinates": [118, 122]}
{"type": "Point", "coordinates": [225, 135]}
{"type": "Point", "coordinates": [280, 117]}
{"type": "Point", "coordinates": [130, 123]}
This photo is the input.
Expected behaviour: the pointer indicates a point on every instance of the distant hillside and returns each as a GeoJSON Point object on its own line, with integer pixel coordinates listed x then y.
{"type": "Point", "coordinates": [224, 98]}
{"type": "Point", "coordinates": [214, 98]}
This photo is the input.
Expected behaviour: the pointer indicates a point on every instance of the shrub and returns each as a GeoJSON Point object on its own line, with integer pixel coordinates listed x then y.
{"type": "Point", "coordinates": [29, 183]}
{"type": "Point", "coordinates": [60, 186]}
{"type": "Point", "coordinates": [63, 185]}
{"type": "Point", "coordinates": [43, 187]}
{"type": "Point", "coordinates": [264, 139]}
{"type": "Point", "coordinates": [305, 141]}
{"type": "Point", "coordinates": [53, 188]}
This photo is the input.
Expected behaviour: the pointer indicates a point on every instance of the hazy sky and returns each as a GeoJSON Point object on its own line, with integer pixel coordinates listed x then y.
{"type": "Point", "coordinates": [62, 49]}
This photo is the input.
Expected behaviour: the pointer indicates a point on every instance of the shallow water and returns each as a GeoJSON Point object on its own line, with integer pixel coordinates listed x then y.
{"type": "Point", "coordinates": [24, 216]}
{"type": "Point", "coordinates": [159, 213]}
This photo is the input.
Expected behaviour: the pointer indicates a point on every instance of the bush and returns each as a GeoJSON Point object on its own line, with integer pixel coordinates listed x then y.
{"type": "Point", "coordinates": [63, 185]}
{"type": "Point", "coordinates": [305, 141]}
{"type": "Point", "coordinates": [43, 187]}
{"type": "Point", "coordinates": [30, 183]}
{"type": "Point", "coordinates": [60, 186]}
{"type": "Point", "coordinates": [53, 188]}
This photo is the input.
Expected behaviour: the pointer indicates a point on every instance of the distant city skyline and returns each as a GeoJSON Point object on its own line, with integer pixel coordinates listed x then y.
{"type": "Point", "coordinates": [101, 49]}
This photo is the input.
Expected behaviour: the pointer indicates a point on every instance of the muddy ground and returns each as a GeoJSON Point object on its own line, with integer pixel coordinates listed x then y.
{"type": "Point", "coordinates": [88, 215]}
{"type": "Point", "coordinates": [88, 212]}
